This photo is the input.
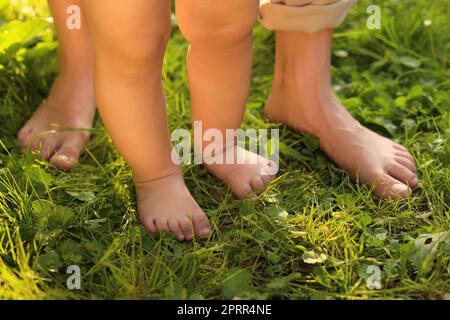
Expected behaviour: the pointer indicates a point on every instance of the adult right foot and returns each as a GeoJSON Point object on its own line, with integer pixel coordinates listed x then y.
{"type": "Point", "coordinates": [59, 129]}
{"type": "Point", "coordinates": [302, 98]}
{"type": "Point", "coordinates": [376, 161]}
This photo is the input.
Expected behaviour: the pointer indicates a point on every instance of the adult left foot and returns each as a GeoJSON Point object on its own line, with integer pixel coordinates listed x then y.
{"type": "Point", "coordinates": [303, 99]}
{"type": "Point", "coordinates": [60, 128]}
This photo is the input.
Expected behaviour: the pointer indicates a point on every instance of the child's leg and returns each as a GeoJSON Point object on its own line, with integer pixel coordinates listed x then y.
{"type": "Point", "coordinates": [219, 67]}
{"type": "Point", "coordinates": [70, 103]}
{"type": "Point", "coordinates": [129, 39]}
{"type": "Point", "coordinates": [303, 98]}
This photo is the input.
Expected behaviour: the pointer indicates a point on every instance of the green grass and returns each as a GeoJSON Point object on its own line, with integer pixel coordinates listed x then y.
{"type": "Point", "coordinates": [394, 80]}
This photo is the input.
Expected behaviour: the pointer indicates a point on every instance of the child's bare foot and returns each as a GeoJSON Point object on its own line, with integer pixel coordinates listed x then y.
{"type": "Point", "coordinates": [248, 176]}
{"type": "Point", "coordinates": [166, 204]}
{"type": "Point", "coordinates": [386, 166]}
{"type": "Point", "coordinates": [57, 129]}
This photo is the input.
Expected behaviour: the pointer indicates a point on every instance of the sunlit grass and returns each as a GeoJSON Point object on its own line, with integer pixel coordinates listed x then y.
{"type": "Point", "coordinates": [310, 236]}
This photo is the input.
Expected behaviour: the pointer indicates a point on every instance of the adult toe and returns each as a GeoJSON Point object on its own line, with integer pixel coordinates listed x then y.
{"type": "Point", "coordinates": [411, 165]}
{"type": "Point", "coordinates": [401, 151]}
{"type": "Point", "coordinates": [68, 154]}
{"type": "Point", "coordinates": [387, 187]}
{"type": "Point", "coordinates": [403, 174]}
{"type": "Point", "coordinates": [48, 148]}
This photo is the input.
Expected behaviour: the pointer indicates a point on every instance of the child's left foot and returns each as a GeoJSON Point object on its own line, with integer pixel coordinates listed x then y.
{"type": "Point", "coordinates": [247, 177]}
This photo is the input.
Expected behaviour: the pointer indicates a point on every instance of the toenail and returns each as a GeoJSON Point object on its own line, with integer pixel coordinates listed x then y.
{"type": "Point", "coordinates": [65, 158]}
{"type": "Point", "coordinates": [62, 157]}
{"type": "Point", "coordinates": [205, 231]}
{"type": "Point", "coordinates": [400, 188]}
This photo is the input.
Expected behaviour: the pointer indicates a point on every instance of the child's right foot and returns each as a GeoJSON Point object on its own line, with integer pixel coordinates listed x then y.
{"type": "Point", "coordinates": [52, 130]}
{"type": "Point", "coordinates": [166, 204]}
{"type": "Point", "coordinates": [247, 177]}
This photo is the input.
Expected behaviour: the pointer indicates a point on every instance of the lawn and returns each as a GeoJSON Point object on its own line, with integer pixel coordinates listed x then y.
{"type": "Point", "coordinates": [312, 235]}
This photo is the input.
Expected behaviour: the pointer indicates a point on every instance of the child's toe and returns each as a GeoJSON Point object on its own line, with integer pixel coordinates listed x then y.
{"type": "Point", "coordinates": [201, 225]}
{"type": "Point", "coordinates": [257, 184]}
{"type": "Point", "coordinates": [161, 225]}
{"type": "Point", "coordinates": [242, 189]}
{"type": "Point", "coordinates": [174, 227]}
{"type": "Point", "coordinates": [186, 227]}
{"type": "Point", "coordinates": [149, 224]}
{"type": "Point", "coordinates": [271, 169]}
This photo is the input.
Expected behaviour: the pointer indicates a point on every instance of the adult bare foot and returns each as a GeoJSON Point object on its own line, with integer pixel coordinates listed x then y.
{"type": "Point", "coordinates": [302, 98]}
{"type": "Point", "coordinates": [166, 205]}
{"type": "Point", "coordinates": [59, 129]}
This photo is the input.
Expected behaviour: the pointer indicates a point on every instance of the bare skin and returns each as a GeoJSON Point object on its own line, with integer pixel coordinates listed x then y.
{"type": "Point", "coordinates": [247, 177]}
{"type": "Point", "coordinates": [303, 99]}
{"type": "Point", "coordinates": [129, 42]}
{"type": "Point", "coordinates": [181, 215]}
{"type": "Point", "coordinates": [219, 69]}
{"type": "Point", "coordinates": [59, 129]}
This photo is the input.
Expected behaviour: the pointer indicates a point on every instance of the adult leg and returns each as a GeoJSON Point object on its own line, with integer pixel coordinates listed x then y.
{"type": "Point", "coordinates": [303, 98]}
{"type": "Point", "coordinates": [57, 130]}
